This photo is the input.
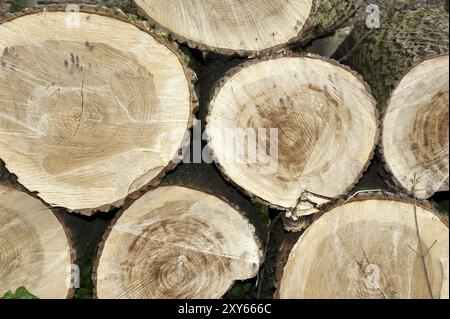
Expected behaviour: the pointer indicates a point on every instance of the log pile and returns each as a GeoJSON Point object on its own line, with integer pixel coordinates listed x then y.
{"type": "Point", "coordinates": [98, 110]}
{"type": "Point", "coordinates": [406, 64]}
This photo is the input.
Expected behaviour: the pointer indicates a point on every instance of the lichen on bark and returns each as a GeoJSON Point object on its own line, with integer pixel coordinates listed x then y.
{"type": "Point", "coordinates": [386, 54]}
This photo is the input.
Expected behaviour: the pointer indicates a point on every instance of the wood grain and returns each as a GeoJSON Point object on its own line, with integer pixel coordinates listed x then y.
{"type": "Point", "coordinates": [416, 129]}
{"type": "Point", "coordinates": [327, 127]}
{"type": "Point", "coordinates": [246, 27]}
{"type": "Point", "coordinates": [91, 107]}
{"type": "Point", "coordinates": [370, 248]}
{"type": "Point", "coordinates": [176, 242]}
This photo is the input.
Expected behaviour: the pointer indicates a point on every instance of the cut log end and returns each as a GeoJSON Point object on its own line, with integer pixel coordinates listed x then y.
{"type": "Point", "coordinates": [176, 242]}
{"type": "Point", "coordinates": [91, 107]}
{"type": "Point", "coordinates": [34, 250]}
{"type": "Point", "coordinates": [416, 129]}
{"type": "Point", "coordinates": [230, 26]}
{"type": "Point", "coordinates": [318, 118]}
{"type": "Point", "coordinates": [370, 248]}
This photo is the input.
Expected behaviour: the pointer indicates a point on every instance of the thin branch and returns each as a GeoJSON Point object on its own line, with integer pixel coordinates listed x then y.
{"type": "Point", "coordinates": [362, 192]}
{"type": "Point", "coordinates": [377, 283]}
{"type": "Point", "coordinates": [421, 253]}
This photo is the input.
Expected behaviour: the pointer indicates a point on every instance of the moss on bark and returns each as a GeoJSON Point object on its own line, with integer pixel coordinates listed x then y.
{"type": "Point", "coordinates": [386, 54]}
{"type": "Point", "coordinates": [327, 15]}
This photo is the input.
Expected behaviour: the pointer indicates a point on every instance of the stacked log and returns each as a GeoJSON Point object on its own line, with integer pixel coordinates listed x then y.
{"type": "Point", "coordinates": [372, 246]}
{"type": "Point", "coordinates": [34, 249]}
{"type": "Point", "coordinates": [247, 27]}
{"type": "Point", "coordinates": [325, 127]}
{"type": "Point", "coordinates": [176, 242]}
{"type": "Point", "coordinates": [406, 64]}
{"type": "Point", "coordinates": [93, 107]}
{"type": "Point", "coordinates": [96, 109]}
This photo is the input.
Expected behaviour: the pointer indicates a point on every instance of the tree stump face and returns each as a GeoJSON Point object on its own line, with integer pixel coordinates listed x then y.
{"type": "Point", "coordinates": [231, 25]}
{"type": "Point", "coordinates": [176, 242]}
{"type": "Point", "coordinates": [34, 250]}
{"type": "Point", "coordinates": [325, 119]}
{"type": "Point", "coordinates": [369, 249]}
{"type": "Point", "coordinates": [99, 106]}
{"type": "Point", "coordinates": [416, 129]}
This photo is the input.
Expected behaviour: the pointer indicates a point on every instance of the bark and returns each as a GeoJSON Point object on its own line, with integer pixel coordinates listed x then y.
{"type": "Point", "coordinates": [253, 28]}
{"type": "Point", "coordinates": [90, 134]}
{"type": "Point", "coordinates": [385, 55]}
{"type": "Point", "coordinates": [371, 246]}
{"type": "Point", "coordinates": [34, 249]}
{"type": "Point", "coordinates": [327, 16]}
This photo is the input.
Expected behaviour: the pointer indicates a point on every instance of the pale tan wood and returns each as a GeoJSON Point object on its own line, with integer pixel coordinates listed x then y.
{"type": "Point", "coordinates": [230, 24]}
{"type": "Point", "coordinates": [34, 250]}
{"type": "Point", "coordinates": [247, 28]}
{"type": "Point", "coordinates": [91, 107]}
{"type": "Point", "coordinates": [369, 248]}
{"type": "Point", "coordinates": [416, 129]}
{"type": "Point", "coordinates": [176, 242]}
{"type": "Point", "coordinates": [327, 130]}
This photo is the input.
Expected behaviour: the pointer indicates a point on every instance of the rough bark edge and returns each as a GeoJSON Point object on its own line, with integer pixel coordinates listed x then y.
{"type": "Point", "coordinates": [305, 35]}
{"type": "Point", "coordinates": [57, 212]}
{"type": "Point", "coordinates": [228, 75]}
{"type": "Point", "coordinates": [383, 196]}
{"type": "Point", "coordinates": [104, 238]}
{"type": "Point", "coordinates": [391, 179]}
{"type": "Point", "coordinates": [140, 25]}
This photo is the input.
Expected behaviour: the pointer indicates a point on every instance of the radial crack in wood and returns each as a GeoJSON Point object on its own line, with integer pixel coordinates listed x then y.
{"type": "Point", "coordinates": [310, 124]}
{"type": "Point", "coordinates": [176, 242]}
{"type": "Point", "coordinates": [370, 248]}
{"type": "Point", "coordinates": [246, 27]}
{"type": "Point", "coordinates": [91, 107]}
{"type": "Point", "coordinates": [34, 250]}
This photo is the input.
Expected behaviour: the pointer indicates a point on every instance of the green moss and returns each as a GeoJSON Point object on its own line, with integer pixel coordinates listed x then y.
{"type": "Point", "coordinates": [125, 5]}
{"type": "Point", "coordinates": [387, 53]}
{"type": "Point", "coordinates": [17, 5]}
{"type": "Point", "coordinates": [330, 15]}
{"type": "Point", "coordinates": [263, 212]}
{"type": "Point", "coordinates": [20, 293]}
{"type": "Point", "coordinates": [86, 289]}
